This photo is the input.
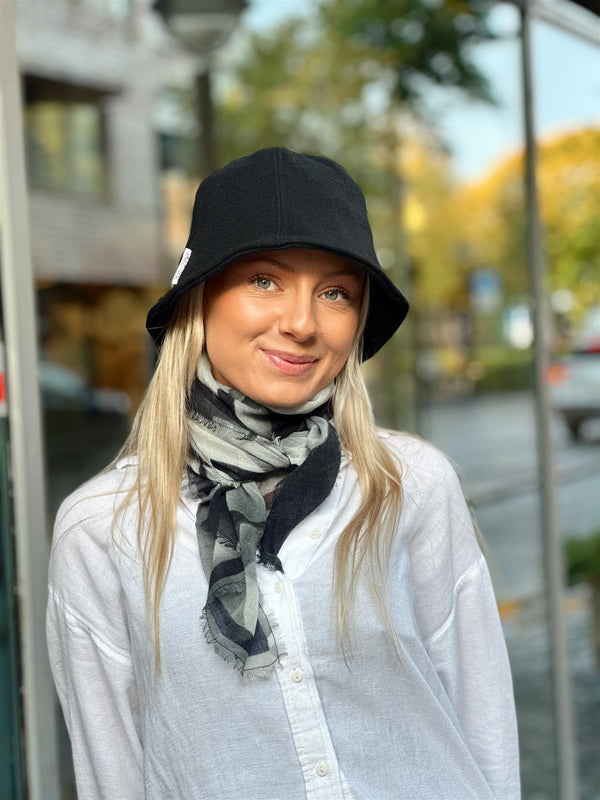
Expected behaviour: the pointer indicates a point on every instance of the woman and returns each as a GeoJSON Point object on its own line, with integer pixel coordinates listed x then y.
{"type": "Point", "coordinates": [266, 597]}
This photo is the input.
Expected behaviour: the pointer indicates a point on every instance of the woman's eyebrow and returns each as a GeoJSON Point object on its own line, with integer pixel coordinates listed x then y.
{"type": "Point", "coordinates": [351, 271]}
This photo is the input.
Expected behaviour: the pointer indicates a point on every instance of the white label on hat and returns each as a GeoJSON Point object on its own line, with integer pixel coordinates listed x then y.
{"type": "Point", "coordinates": [184, 260]}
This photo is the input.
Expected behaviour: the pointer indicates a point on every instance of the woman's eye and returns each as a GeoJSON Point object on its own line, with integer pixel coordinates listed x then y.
{"type": "Point", "coordinates": [263, 283]}
{"type": "Point", "coordinates": [336, 295]}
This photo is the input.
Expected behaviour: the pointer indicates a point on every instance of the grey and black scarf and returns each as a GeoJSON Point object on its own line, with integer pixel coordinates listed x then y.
{"type": "Point", "coordinates": [257, 472]}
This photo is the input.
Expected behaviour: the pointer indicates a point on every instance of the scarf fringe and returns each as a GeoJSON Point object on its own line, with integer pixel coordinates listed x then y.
{"type": "Point", "coordinates": [250, 673]}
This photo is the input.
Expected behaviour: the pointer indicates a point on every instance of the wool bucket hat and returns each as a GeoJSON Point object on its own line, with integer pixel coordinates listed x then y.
{"type": "Point", "coordinates": [276, 199]}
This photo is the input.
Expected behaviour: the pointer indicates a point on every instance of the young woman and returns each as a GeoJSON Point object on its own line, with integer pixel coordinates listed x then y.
{"type": "Point", "coordinates": [267, 598]}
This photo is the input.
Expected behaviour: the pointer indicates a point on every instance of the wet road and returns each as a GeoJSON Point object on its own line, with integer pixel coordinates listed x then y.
{"type": "Point", "coordinates": [492, 441]}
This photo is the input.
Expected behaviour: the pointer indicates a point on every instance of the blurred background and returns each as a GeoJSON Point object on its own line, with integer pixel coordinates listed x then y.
{"type": "Point", "coordinates": [128, 104]}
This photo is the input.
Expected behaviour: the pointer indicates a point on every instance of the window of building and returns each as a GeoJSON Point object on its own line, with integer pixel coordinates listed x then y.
{"type": "Point", "coordinates": [65, 140]}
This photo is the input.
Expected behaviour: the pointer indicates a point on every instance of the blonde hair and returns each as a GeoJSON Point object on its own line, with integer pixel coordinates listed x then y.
{"type": "Point", "coordinates": [159, 438]}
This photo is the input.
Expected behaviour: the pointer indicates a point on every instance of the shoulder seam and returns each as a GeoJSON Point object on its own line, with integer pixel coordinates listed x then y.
{"type": "Point", "coordinates": [103, 642]}
{"type": "Point", "coordinates": [460, 583]}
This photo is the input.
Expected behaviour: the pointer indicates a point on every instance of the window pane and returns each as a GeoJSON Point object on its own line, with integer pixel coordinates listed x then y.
{"type": "Point", "coordinates": [47, 146]}
{"type": "Point", "coordinates": [65, 147]}
{"type": "Point", "coordinates": [85, 149]}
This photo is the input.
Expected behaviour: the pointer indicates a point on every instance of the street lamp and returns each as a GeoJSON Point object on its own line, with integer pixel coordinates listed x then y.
{"type": "Point", "coordinates": [202, 26]}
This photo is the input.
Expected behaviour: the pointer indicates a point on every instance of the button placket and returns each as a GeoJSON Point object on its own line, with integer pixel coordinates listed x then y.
{"type": "Point", "coordinates": [305, 713]}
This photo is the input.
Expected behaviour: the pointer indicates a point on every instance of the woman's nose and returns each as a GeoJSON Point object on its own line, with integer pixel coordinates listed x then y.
{"type": "Point", "coordinates": [297, 317]}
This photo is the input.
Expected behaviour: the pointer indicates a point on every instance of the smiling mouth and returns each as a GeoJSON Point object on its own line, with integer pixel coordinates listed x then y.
{"type": "Point", "coordinates": [288, 363]}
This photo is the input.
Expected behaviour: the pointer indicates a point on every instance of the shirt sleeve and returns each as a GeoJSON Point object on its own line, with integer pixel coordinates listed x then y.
{"type": "Point", "coordinates": [87, 631]}
{"type": "Point", "coordinates": [469, 655]}
{"type": "Point", "coordinates": [458, 616]}
{"type": "Point", "coordinates": [97, 691]}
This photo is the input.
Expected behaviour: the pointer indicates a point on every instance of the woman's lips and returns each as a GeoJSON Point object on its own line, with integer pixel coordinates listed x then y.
{"type": "Point", "coordinates": [288, 363]}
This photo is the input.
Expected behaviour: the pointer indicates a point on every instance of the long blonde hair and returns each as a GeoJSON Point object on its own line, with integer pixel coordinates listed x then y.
{"type": "Point", "coordinates": [159, 439]}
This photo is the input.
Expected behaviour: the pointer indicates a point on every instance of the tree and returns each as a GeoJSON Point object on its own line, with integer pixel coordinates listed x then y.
{"type": "Point", "coordinates": [338, 80]}
{"type": "Point", "coordinates": [419, 42]}
{"type": "Point", "coordinates": [569, 180]}
{"type": "Point", "coordinates": [285, 88]}
{"type": "Point", "coordinates": [433, 223]}
{"type": "Point", "coordinates": [569, 190]}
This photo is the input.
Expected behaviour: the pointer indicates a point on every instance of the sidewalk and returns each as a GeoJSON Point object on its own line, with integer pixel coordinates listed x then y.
{"type": "Point", "coordinates": [526, 636]}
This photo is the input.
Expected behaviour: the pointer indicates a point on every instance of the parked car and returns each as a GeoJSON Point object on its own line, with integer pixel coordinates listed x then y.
{"type": "Point", "coordinates": [575, 378]}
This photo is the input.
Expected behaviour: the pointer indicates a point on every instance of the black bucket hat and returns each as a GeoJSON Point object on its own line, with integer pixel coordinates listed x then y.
{"type": "Point", "coordinates": [272, 200]}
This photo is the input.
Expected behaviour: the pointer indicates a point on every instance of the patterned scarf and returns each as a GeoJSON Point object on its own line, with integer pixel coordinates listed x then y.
{"type": "Point", "coordinates": [258, 472]}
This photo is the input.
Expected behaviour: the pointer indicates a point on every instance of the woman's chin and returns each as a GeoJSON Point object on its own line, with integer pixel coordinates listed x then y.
{"type": "Point", "coordinates": [282, 394]}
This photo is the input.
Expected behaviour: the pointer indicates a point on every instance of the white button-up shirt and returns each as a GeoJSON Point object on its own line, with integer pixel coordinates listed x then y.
{"type": "Point", "coordinates": [429, 717]}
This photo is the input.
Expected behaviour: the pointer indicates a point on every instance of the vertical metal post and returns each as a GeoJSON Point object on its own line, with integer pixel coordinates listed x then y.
{"type": "Point", "coordinates": [27, 475]}
{"type": "Point", "coordinates": [206, 143]}
{"type": "Point", "coordinates": [553, 561]}
{"type": "Point", "coordinates": [399, 390]}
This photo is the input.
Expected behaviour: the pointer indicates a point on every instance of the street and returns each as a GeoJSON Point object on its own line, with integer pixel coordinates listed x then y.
{"type": "Point", "coordinates": [491, 439]}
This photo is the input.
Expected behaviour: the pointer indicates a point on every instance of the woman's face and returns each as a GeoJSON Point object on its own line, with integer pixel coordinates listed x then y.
{"type": "Point", "coordinates": [280, 324]}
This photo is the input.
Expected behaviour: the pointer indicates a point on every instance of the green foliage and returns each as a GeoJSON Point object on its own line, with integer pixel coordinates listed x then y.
{"type": "Point", "coordinates": [293, 87]}
{"type": "Point", "coordinates": [583, 559]}
{"type": "Point", "coordinates": [335, 83]}
{"type": "Point", "coordinates": [420, 42]}
{"type": "Point", "coordinates": [569, 179]}
{"type": "Point", "coordinates": [569, 197]}
{"type": "Point", "coordinates": [503, 369]}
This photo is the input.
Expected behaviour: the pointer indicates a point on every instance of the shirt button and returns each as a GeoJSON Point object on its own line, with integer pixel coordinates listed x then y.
{"type": "Point", "coordinates": [315, 533]}
{"type": "Point", "coordinates": [297, 675]}
{"type": "Point", "coordinates": [278, 586]}
{"type": "Point", "coordinates": [321, 769]}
